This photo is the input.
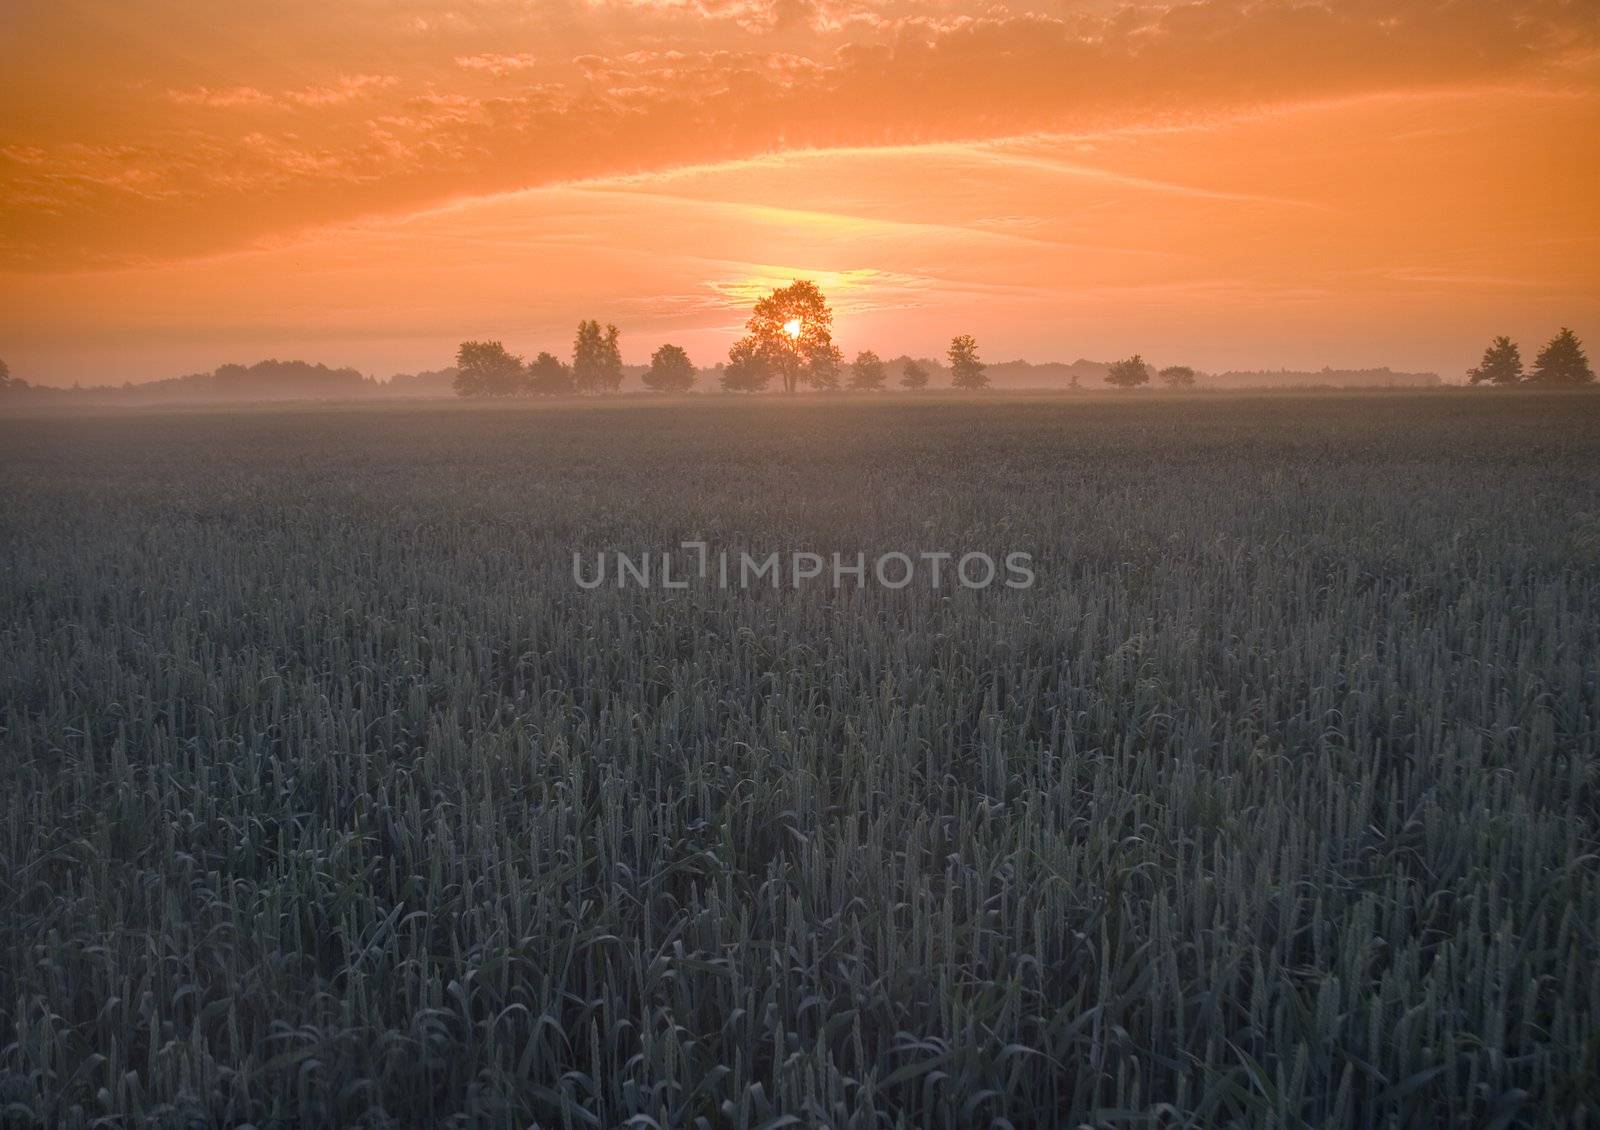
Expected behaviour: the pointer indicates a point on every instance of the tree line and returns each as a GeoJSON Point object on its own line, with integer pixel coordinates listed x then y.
{"type": "Point", "coordinates": [1561, 362]}
{"type": "Point", "coordinates": [788, 340]}
{"type": "Point", "coordinates": [487, 368]}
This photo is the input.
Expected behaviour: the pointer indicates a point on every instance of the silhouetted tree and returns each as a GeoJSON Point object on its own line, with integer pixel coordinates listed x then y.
{"type": "Point", "coordinates": [275, 378]}
{"type": "Point", "coordinates": [792, 331]}
{"type": "Point", "coordinates": [966, 371]}
{"type": "Point", "coordinates": [548, 375]}
{"type": "Point", "coordinates": [747, 369]}
{"type": "Point", "coordinates": [822, 372]}
{"type": "Point", "coordinates": [596, 358]}
{"type": "Point", "coordinates": [1129, 373]}
{"type": "Point", "coordinates": [1501, 364]}
{"type": "Point", "coordinates": [1562, 362]}
{"type": "Point", "coordinates": [8, 383]}
{"type": "Point", "coordinates": [913, 376]}
{"type": "Point", "coordinates": [1178, 376]}
{"type": "Point", "coordinates": [484, 368]}
{"type": "Point", "coordinates": [670, 370]}
{"type": "Point", "coordinates": [868, 372]}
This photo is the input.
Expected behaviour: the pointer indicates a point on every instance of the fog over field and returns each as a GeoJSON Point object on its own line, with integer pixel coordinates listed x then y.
{"type": "Point", "coordinates": [300, 380]}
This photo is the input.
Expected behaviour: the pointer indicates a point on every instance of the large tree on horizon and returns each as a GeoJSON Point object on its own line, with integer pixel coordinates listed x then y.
{"type": "Point", "coordinates": [966, 371]}
{"type": "Point", "coordinates": [1562, 362]}
{"type": "Point", "coordinates": [1178, 376]}
{"type": "Point", "coordinates": [746, 370]}
{"type": "Point", "coordinates": [548, 375]}
{"type": "Point", "coordinates": [791, 332]}
{"type": "Point", "coordinates": [485, 368]}
{"type": "Point", "coordinates": [1130, 372]}
{"type": "Point", "coordinates": [822, 373]}
{"type": "Point", "coordinates": [670, 370]}
{"type": "Point", "coordinates": [913, 376]}
{"type": "Point", "coordinates": [596, 358]}
{"type": "Point", "coordinates": [1501, 364]}
{"type": "Point", "coordinates": [868, 372]}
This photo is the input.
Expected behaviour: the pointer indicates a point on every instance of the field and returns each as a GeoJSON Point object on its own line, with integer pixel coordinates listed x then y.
{"type": "Point", "coordinates": [328, 798]}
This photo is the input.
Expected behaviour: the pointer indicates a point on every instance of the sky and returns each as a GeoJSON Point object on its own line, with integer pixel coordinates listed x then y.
{"type": "Point", "coordinates": [366, 183]}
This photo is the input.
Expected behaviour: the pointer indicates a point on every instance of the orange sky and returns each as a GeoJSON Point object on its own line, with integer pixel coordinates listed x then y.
{"type": "Point", "coordinates": [367, 183]}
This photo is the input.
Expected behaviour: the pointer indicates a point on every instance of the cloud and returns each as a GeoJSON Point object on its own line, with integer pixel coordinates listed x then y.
{"type": "Point", "coordinates": [497, 64]}
{"type": "Point", "coordinates": [222, 99]}
{"type": "Point", "coordinates": [346, 88]}
{"type": "Point", "coordinates": [452, 109]}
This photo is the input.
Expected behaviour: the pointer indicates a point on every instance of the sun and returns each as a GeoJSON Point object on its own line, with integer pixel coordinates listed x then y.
{"type": "Point", "coordinates": [792, 327]}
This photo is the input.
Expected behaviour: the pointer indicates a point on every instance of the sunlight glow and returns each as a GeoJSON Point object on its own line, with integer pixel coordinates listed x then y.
{"type": "Point", "coordinates": [792, 327]}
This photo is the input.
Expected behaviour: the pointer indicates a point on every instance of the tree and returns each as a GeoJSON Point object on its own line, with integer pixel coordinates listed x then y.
{"type": "Point", "coordinates": [1178, 376]}
{"type": "Point", "coordinates": [670, 370]}
{"type": "Point", "coordinates": [1562, 362]}
{"type": "Point", "coordinates": [914, 376]}
{"type": "Point", "coordinates": [548, 375]}
{"type": "Point", "coordinates": [868, 372]}
{"type": "Point", "coordinates": [1129, 373]}
{"type": "Point", "coordinates": [822, 373]}
{"type": "Point", "coordinates": [966, 371]}
{"type": "Point", "coordinates": [791, 330]}
{"type": "Point", "coordinates": [747, 369]}
{"type": "Point", "coordinates": [274, 378]}
{"type": "Point", "coordinates": [1501, 364]}
{"type": "Point", "coordinates": [596, 359]}
{"type": "Point", "coordinates": [484, 368]}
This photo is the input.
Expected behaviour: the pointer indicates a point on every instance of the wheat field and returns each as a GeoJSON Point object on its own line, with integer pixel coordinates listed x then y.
{"type": "Point", "coordinates": [328, 798]}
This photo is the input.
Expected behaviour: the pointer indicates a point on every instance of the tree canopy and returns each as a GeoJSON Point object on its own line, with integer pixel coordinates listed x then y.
{"type": "Point", "coordinates": [868, 372]}
{"type": "Point", "coordinates": [548, 375]}
{"type": "Point", "coordinates": [966, 371]}
{"type": "Point", "coordinates": [286, 378]}
{"type": "Point", "coordinates": [670, 370]}
{"type": "Point", "coordinates": [596, 358]}
{"type": "Point", "coordinates": [747, 369]}
{"type": "Point", "coordinates": [822, 373]}
{"type": "Point", "coordinates": [1129, 373]}
{"type": "Point", "coordinates": [1562, 362]}
{"type": "Point", "coordinates": [791, 331]}
{"type": "Point", "coordinates": [484, 368]}
{"type": "Point", "coordinates": [1178, 376]}
{"type": "Point", "coordinates": [913, 376]}
{"type": "Point", "coordinates": [1501, 364]}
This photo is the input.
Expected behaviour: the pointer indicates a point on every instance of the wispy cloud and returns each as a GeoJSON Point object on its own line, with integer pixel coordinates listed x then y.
{"type": "Point", "coordinates": [498, 64]}
{"type": "Point", "coordinates": [346, 88]}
